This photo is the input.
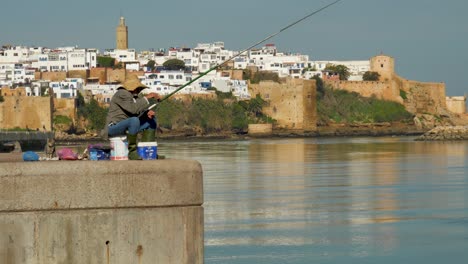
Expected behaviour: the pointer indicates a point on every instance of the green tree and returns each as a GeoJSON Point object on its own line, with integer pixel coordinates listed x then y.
{"type": "Point", "coordinates": [371, 76]}
{"type": "Point", "coordinates": [256, 105]}
{"type": "Point", "coordinates": [319, 85]}
{"type": "Point", "coordinates": [119, 65]}
{"type": "Point", "coordinates": [174, 65]}
{"type": "Point", "coordinates": [105, 61]}
{"type": "Point", "coordinates": [91, 111]}
{"type": "Point", "coordinates": [260, 76]}
{"type": "Point", "coordinates": [150, 64]}
{"type": "Point", "coordinates": [342, 70]}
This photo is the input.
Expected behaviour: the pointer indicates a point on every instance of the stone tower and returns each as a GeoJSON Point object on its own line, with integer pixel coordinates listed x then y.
{"type": "Point", "coordinates": [384, 65]}
{"type": "Point", "coordinates": [122, 35]}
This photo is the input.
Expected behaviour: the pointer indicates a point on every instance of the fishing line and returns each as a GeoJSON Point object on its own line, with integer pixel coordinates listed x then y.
{"type": "Point", "coordinates": [241, 52]}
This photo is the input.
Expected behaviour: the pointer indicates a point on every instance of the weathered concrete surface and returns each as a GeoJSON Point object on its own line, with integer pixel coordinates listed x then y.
{"type": "Point", "coordinates": [101, 212]}
{"type": "Point", "coordinates": [10, 157]}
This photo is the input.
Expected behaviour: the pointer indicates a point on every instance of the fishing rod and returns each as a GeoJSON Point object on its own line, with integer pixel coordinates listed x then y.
{"type": "Point", "coordinates": [241, 52]}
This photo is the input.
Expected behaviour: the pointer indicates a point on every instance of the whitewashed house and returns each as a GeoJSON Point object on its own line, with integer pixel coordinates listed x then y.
{"type": "Point", "coordinates": [66, 59]}
{"type": "Point", "coordinates": [14, 54]}
{"type": "Point", "coordinates": [67, 88]}
{"type": "Point", "coordinates": [356, 68]}
{"type": "Point", "coordinates": [105, 91]}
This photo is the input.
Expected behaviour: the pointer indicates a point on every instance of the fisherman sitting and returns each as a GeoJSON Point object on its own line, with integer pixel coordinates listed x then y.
{"type": "Point", "coordinates": [128, 115]}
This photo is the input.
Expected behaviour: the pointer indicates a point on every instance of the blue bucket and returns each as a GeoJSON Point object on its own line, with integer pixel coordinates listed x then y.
{"type": "Point", "coordinates": [148, 150]}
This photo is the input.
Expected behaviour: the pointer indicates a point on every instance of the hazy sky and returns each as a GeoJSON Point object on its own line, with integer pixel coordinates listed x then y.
{"type": "Point", "coordinates": [427, 38]}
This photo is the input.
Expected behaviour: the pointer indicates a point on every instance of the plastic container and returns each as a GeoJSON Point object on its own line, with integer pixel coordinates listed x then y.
{"type": "Point", "coordinates": [98, 154]}
{"type": "Point", "coordinates": [148, 150]}
{"type": "Point", "coordinates": [119, 148]}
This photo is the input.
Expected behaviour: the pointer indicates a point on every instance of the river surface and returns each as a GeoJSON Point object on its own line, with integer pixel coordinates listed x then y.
{"type": "Point", "coordinates": [332, 200]}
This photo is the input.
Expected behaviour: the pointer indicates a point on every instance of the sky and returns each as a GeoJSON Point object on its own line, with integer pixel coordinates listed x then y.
{"type": "Point", "coordinates": [427, 38]}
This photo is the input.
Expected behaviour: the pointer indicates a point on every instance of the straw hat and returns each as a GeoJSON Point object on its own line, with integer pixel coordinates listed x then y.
{"type": "Point", "coordinates": [132, 83]}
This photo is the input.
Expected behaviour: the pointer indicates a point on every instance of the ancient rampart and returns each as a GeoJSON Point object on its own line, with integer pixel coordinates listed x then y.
{"type": "Point", "coordinates": [424, 97]}
{"type": "Point", "coordinates": [456, 104]}
{"type": "Point", "coordinates": [292, 102]}
{"type": "Point", "coordinates": [30, 112]}
{"type": "Point", "coordinates": [417, 97]}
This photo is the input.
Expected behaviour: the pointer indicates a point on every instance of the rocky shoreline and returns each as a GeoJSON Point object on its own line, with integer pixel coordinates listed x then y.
{"type": "Point", "coordinates": [330, 130]}
{"type": "Point", "coordinates": [445, 133]}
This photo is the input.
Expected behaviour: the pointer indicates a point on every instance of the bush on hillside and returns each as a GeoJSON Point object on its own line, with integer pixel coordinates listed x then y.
{"type": "Point", "coordinates": [94, 113]}
{"type": "Point", "coordinates": [349, 107]}
{"type": "Point", "coordinates": [105, 61]}
{"type": "Point", "coordinates": [257, 77]}
{"type": "Point", "coordinates": [371, 76]}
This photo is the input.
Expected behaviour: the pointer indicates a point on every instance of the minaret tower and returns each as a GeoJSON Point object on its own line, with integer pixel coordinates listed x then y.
{"type": "Point", "coordinates": [122, 35]}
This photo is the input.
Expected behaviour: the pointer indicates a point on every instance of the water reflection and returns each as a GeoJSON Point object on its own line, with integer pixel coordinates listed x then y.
{"type": "Point", "coordinates": [330, 200]}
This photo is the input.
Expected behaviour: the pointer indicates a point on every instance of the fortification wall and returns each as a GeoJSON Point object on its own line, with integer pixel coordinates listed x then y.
{"type": "Point", "coordinates": [260, 129]}
{"type": "Point", "coordinates": [51, 76]}
{"type": "Point", "coordinates": [26, 112]}
{"type": "Point", "coordinates": [380, 90]}
{"type": "Point", "coordinates": [116, 75]}
{"type": "Point", "coordinates": [83, 74]}
{"type": "Point", "coordinates": [424, 97]}
{"type": "Point", "coordinates": [65, 107]}
{"type": "Point", "coordinates": [233, 74]}
{"type": "Point", "coordinates": [99, 73]}
{"type": "Point", "coordinates": [420, 97]}
{"type": "Point", "coordinates": [456, 104]}
{"type": "Point", "coordinates": [7, 91]}
{"type": "Point", "coordinates": [292, 103]}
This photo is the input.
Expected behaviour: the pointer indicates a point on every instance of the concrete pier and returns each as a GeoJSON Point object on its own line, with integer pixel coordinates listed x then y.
{"type": "Point", "coordinates": [101, 212]}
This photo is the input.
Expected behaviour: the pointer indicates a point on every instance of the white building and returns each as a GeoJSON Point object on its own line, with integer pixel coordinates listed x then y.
{"type": "Point", "coordinates": [67, 88]}
{"type": "Point", "coordinates": [128, 55]}
{"type": "Point", "coordinates": [237, 87]}
{"type": "Point", "coordinates": [190, 57]}
{"type": "Point", "coordinates": [106, 91]}
{"type": "Point", "coordinates": [66, 59]}
{"type": "Point", "coordinates": [14, 54]}
{"type": "Point", "coordinates": [356, 68]}
{"type": "Point", "coordinates": [16, 73]}
{"type": "Point", "coordinates": [23, 75]}
{"type": "Point", "coordinates": [172, 78]}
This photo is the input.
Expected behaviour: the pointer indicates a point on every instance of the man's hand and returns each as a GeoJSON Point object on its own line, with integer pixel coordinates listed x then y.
{"type": "Point", "coordinates": [150, 114]}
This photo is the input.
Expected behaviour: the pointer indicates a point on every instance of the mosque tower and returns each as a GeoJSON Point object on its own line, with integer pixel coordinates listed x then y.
{"type": "Point", "coordinates": [122, 35]}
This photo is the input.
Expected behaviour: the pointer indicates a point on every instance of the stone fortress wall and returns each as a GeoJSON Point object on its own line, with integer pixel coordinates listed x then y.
{"type": "Point", "coordinates": [292, 103]}
{"type": "Point", "coordinates": [457, 104]}
{"type": "Point", "coordinates": [417, 97]}
{"type": "Point", "coordinates": [21, 111]}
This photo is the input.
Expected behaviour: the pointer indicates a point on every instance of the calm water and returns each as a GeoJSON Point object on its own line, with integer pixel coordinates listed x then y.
{"type": "Point", "coordinates": [354, 200]}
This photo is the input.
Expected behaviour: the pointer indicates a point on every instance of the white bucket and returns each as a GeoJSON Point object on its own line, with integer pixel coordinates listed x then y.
{"type": "Point", "coordinates": [148, 150]}
{"type": "Point", "coordinates": [119, 148]}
